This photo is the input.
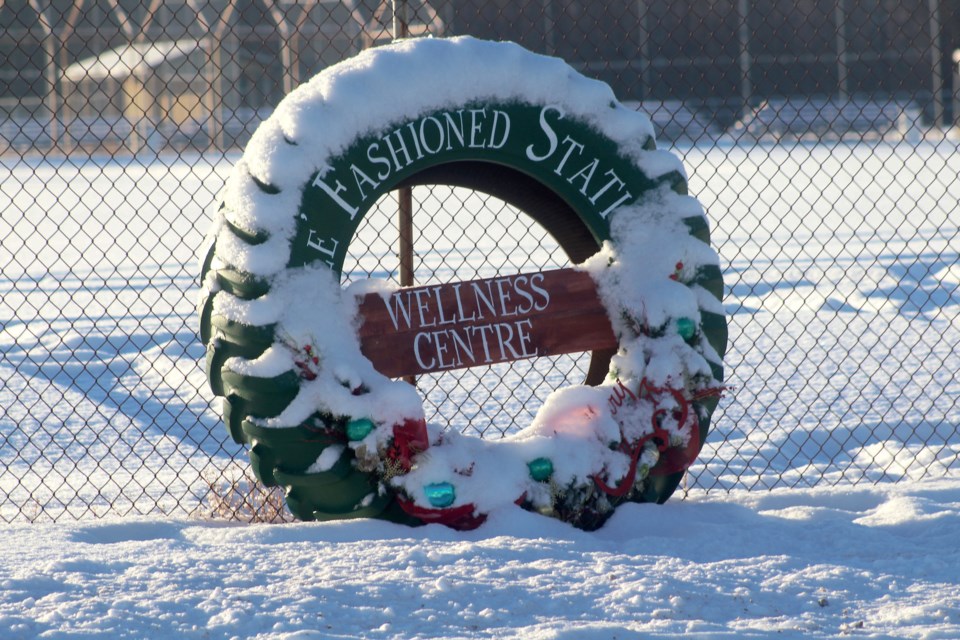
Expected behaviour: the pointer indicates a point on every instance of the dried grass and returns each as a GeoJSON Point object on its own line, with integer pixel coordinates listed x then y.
{"type": "Point", "coordinates": [241, 497]}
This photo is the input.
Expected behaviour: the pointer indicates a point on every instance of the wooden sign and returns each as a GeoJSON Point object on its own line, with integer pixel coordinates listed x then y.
{"type": "Point", "coordinates": [481, 322]}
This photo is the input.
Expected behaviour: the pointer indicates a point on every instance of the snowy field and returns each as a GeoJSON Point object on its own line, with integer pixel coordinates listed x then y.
{"type": "Point", "coordinates": [799, 563]}
{"type": "Point", "coordinates": [843, 273]}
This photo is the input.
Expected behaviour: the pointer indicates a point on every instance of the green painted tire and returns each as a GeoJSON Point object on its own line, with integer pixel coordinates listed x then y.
{"type": "Point", "coordinates": [526, 171]}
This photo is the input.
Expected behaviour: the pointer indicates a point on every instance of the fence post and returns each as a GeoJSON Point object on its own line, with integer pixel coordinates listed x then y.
{"type": "Point", "coordinates": [956, 88]}
{"type": "Point", "coordinates": [404, 194]}
{"type": "Point", "coordinates": [549, 27]}
{"type": "Point", "coordinates": [212, 43]}
{"type": "Point", "coordinates": [746, 87]}
{"type": "Point", "coordinates": [49, 72]}
{"type": "Point", "coordinates": [936, 60]}
{"type": "Point", "coordinates": [646, 61]}
{"type": "Point", "coordinates": [840, 18]}
{"type": "Point", "coordinates": [287, 59]}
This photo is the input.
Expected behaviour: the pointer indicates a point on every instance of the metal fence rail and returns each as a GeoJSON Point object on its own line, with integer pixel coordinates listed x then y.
{"type": "Point", "coordinates": [819, 136]}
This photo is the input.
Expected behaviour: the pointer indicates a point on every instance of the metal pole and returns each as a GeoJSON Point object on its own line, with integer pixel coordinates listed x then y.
{"type": "Point", "coordinates": [50, 74]}
{"type": "Point", "coordinates": [53, 101]}
{"type": "Point", "coordinates": [400, 27]}
{"type": "Point", "coordinates": [840, 16]}
{"type": "Point", "coordinates": [405, 228]}
{"type": "Point", "coordinates": [645, 61]}
{"type": "Point", "coordinates": [549, 28]}
{"type": "Point", "coordinates": [746, 86]}
{"type": "Point", "coordinates": [216, 92]}
{"type": "Point", "coordinates": [956, 88]}
{"type": "Point", "coordinates": [287, 61]}
{"type": "Point", "coordinates": [936, 60]}
{"type": "Point", "coordinates": [404, 194]}
{"type": "Point", "coordinates": [212, 69]}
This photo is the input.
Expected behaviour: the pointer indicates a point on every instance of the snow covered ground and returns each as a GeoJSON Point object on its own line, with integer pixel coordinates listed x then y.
{"type": "Point", "coordinates": [843, 352]}
{"type": "Point", "coordinates": [872, 562]}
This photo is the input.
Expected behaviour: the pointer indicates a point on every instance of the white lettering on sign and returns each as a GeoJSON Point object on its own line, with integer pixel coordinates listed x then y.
{"type": "Point", "coordinates": [549, 132]}
{"type": "Point", "coordinates": [323, 246]}
{"type": "Point", "coordinates": [583, 168]}
{"type": "Point", "coordinates": [501, 124]}
{"type": "Point", "coordinates": [473, 345]}
{"type": "Point", "coordinates": [470, 329]}
{"type": "Point", "coordinates": [334, 194]}
{"type": "Point", "coordinates": [419, 139]}
{"type": "Point", "coordinates": [578, 168]}
{"type": "Point", "coordinates": [361, 179]}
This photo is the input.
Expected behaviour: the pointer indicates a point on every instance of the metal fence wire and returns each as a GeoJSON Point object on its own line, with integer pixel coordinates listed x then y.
{"type": "Point", "coordinates": [820, 137]}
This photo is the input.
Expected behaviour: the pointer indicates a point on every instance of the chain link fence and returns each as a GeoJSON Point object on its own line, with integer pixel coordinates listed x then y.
{"type": "Point", "coordinates": [818, 135]}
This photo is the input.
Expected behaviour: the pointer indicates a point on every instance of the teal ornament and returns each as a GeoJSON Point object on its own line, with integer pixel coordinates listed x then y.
{"type": "Point", "coordinates": [540, 469]}
{"type": "Point", "coordinates": [359, 429]}
{"type": "Point", "coordinates": [686, 328]}
{"type": "Point", "coordinates": [440, 494]}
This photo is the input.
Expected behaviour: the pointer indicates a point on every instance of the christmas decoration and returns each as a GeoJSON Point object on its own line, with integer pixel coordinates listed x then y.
{"type": "Point", "coordinates": [686, 328]}
{"type": "Point", "coordinates": [359, 429]}
{"type": "Point", "coordinates": [540, 469]}
{"type": "Point", "coordinates": [281, 333]}
{"type": "Point", "coordinates": [440, 494]}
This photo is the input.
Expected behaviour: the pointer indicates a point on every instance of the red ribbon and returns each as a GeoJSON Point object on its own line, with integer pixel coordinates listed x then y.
{"type": "Point", "coordinates": [409, 439]}
{"type": "Point", "coordinates": [671, 459]}
{"type": "Point", "coordinates": [462, 518]}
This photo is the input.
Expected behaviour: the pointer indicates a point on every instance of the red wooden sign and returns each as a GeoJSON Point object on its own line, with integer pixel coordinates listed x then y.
{"type": "Point", "coordinates": [467, 324]}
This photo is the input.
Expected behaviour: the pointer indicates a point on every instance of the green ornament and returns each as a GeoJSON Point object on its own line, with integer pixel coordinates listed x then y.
{"type": "Point", "coordinates": [359, 429]}
{"type": "Point", "coordinates": [540, 469]}
{"type": "Point", "coordinates": [440, 494]}
{"type": "Point", "coordinates": [686, 328]}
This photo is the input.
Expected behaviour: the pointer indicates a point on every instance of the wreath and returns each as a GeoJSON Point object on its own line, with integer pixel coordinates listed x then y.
{"type": "Point", "coordinates": [281, 332]}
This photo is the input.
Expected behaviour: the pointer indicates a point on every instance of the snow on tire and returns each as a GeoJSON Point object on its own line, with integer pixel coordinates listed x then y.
{"type": "Point", "coordinates": [281, 347]}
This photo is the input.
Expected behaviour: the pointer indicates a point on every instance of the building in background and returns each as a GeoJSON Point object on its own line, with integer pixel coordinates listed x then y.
{"type": "Point", "coordinates": [704, 65]}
